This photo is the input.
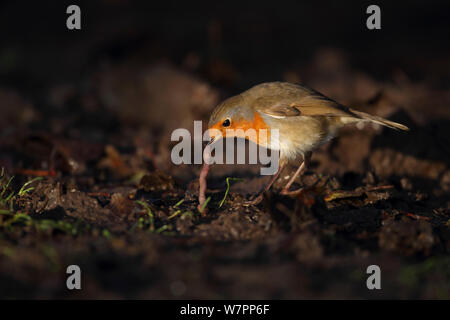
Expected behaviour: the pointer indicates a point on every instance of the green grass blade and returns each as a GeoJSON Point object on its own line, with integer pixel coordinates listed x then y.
{"type": "Point", "coordinates": [149, 213]}
{"type": "Point", "coordinates": [23, 191]}
{"type": "Point", "coordinates": [174, 214]}
{"type": "Point", "coordinates": [178, 203]}
{"type": "Point", "coordinates": [5, 187]}
{"type": "Point", "coordinates": [228, 189]}
{"type": "Point", "coordinates": [204, 205]}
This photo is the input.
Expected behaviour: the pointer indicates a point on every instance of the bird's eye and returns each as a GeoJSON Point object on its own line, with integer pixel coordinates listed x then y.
{"type": "Point", "coordinates": [226, 123]}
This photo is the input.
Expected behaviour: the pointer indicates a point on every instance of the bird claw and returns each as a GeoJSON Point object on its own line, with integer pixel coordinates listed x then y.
{"type": "Point", "coordinates": [286, 192]}
{"type": "Point", "coordinates": [255, 201]}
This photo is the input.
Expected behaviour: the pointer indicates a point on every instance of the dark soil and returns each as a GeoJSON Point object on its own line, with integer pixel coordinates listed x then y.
{"type": "Point", "coordinates": [112, 202]}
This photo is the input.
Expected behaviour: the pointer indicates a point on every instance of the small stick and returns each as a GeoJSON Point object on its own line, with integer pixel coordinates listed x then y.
{"type": "Point", "coordinates": [38, 173]}
{"type": "Point", "coordinates": [99, 194]}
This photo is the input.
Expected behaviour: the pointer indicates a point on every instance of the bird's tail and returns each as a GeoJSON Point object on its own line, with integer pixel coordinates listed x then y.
{"type": "Point", "coordinates": [368, 117]}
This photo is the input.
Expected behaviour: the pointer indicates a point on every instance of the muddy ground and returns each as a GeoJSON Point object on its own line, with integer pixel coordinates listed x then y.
{"type": "Point", "coordinates": [87, 119]}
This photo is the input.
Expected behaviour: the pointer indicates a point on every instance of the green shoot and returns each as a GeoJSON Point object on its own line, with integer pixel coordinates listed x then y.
{"type": "Point", "coordinates": [8, 200]}
{"type": "Point", "coordinates": [228, 189]}
{"type": "Point", "coordinates": [24, 191]}
{"type": "Point", "coordinates": [177, 212]}
{"type": "Point", "coordinates": [178, 203]}
{"type": "Point", "coordinates": [106, 234]}
{"type": "Point", "coordinates": [6, 186]}
{"type": "Point", "coordinates": [188, 214]}
{"type": "Point", "coordinates": [18, 218]}
{"type": "Point", "coordinates": [149, 213]}
{"type": "Point", "coordinates": [163, 228]}
{"type": "Point", "coordinates": [174, 214]}
{"type": "Point", "coordinates": [204, 205]}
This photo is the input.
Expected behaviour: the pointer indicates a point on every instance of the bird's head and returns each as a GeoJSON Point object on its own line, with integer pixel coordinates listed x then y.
{"type": "Point", "coordinates": [233, 118]}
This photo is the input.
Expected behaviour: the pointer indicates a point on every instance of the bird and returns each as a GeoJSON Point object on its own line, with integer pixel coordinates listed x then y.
{"type": "Point", "coordinates": [305, 120]}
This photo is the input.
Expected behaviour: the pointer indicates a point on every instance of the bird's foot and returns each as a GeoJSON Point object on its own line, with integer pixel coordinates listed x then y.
{"type": "Point", "coordinates": [286, 192]}
{"type": "Point", "coordinates": [255, 201]}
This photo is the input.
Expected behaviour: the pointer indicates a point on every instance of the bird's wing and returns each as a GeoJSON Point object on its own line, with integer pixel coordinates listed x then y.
{"type": "Point", "coordinates": [300, 102]}
{"type": "Point", "coordinates": [281, 100]}
{"type": "Point", "coordinates": [280, 110]}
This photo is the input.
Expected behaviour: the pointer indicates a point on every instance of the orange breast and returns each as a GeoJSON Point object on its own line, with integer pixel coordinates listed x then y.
{"type": "Point", "coordinates": [256, 124]}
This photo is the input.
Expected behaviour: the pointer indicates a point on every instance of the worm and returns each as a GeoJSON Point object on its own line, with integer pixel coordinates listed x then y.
{"type": "Point", "coordinates": [202, 177]}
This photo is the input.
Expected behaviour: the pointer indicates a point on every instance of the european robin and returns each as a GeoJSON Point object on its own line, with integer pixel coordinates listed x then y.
{"type": "Point", "coordinates": [305, 120]}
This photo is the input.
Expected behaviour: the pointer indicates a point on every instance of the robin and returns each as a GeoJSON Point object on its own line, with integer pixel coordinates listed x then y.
{"type": "Point", "coordinates": [305, 119]}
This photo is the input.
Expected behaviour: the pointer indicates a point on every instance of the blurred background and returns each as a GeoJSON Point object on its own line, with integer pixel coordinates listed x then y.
{"type": "Point", "coordinates": [89, 112]}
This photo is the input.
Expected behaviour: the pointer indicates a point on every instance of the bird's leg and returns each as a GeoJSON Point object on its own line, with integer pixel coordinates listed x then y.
{"type": "Point", "coordinates": [260, 196]}
{"type": "Point", "coordinates": [301, 169]}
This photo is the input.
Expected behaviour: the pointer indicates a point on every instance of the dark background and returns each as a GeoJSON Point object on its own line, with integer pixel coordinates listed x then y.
{"type": "Point", "coordinates": [260, 38]}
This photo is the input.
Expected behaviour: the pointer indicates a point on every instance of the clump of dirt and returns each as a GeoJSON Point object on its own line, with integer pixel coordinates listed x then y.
{"type": "Point", "coordinates": [407, 236]}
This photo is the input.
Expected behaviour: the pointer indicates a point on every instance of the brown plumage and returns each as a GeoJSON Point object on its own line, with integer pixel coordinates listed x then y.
{"type": "Point", "coordinates": [304, 118]}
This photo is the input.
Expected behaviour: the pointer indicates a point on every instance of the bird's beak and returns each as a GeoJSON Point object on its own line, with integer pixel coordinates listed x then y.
{"type": "Point", "coordinates": [214, 139]}
{"type": "Point", "coordinates": [215, 134]}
